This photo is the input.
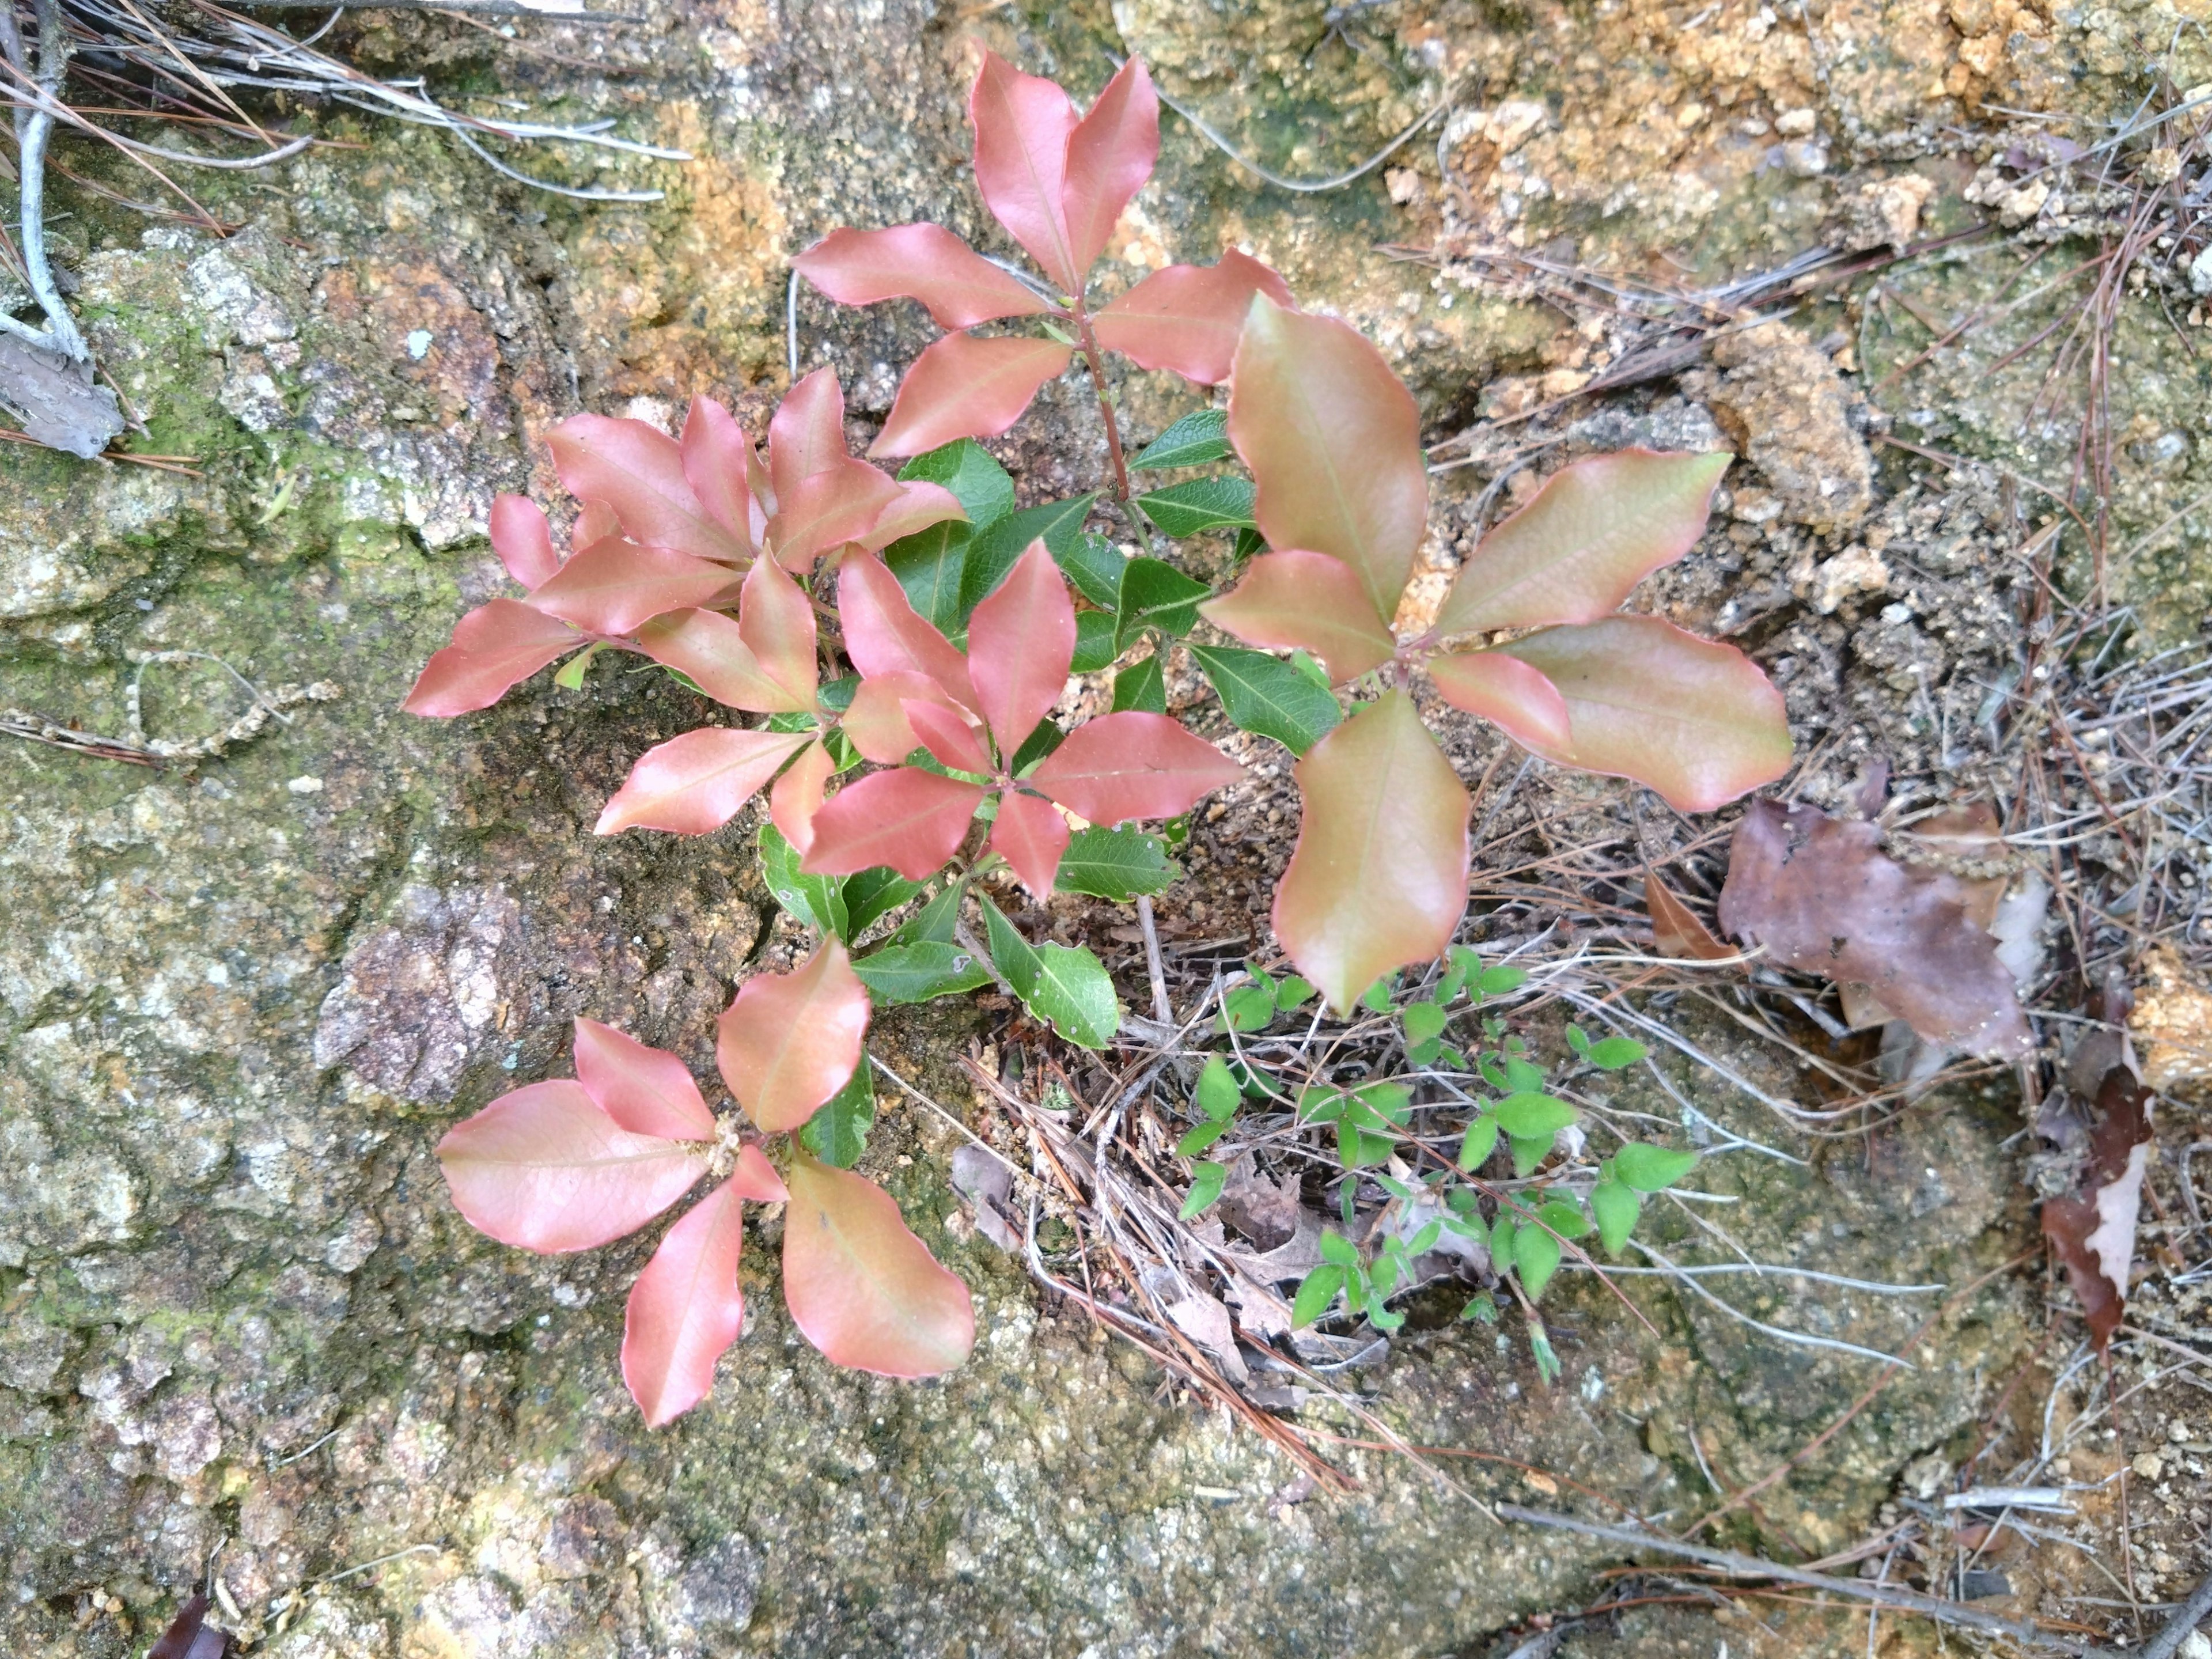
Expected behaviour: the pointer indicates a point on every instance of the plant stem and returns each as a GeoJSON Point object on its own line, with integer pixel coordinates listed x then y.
{"type": "Point", "coordinates": [33, 127]}
{"type": "Point", "coordinates": [1091, 357]}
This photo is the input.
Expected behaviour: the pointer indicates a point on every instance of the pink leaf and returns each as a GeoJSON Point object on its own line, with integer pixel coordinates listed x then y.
{"type": "Point", "coordinates": [1334, 442]}
{"type": "Point", "coordinates": [685, 1310]}
{"type": "Point", "coordinates": [1030, 835]}
{"type": "Point", "coordinates": [546, 1170]}
{"type": "Point", "coordinates": [910, 820]}
{"type": "Point", "coordinates": [595, 522]}
{"type": "Point", "coordinates": [718, 459]}
{"type": "Point", "coordinates": [494, 646]}
{"type": "Point", "coordinates": [638, 473]}
{"type": "Point", "coordinates": [1507, 692]}
{"type": "Point", "coordinates": [1020, 642]}
{"type": "Point", "coordinates": [877, 722]}
{"type": "Point", "coordinates": [885, 635]}
{"type": "Point", "coordinates": [1592, 533]}
{"type": "Point", "coordinates": [947, 735]}
{"type": "Point", "coordinates": [922, 262]}
{"type": "Point", "coordinates": [1692, 718]}
{"type": "Point", "coordinates": [523, 540]}
{"type": "Point", "coordinates": [1311, 601]}
{"type": "Point", "coordinates": [918, 505]}
{"type": "Point", "coordinates": [647, 1091]}
{"type": "Point", "coordinates": [696, 782]}
{"type": "Point", "coordinates": [1109, 155]}
{"type": "Point", "coordinates": [755, 1177]}
{"type": "Point", "coordinates": [1379, 876]}
{"type": "Point", "coordinates": [797, 796]}
{"type": "Point", "coordinates": [1132, 765]}
{"type": "Point", "coordinates": [612, 586]}
{"type": "Point", "coordinates": [806, 434]}
{"type": "Point", "coordinates": [964, 387]}
{"type": "Point", "coordinates": [791, 1041]}
{"type": "Point", "coordinates": [710, 649]}
{"type": "Point", "coordinates": [1023, 125]}
{"type": "Point", "coordinates": [777, 621]}
{"type": "Point", "coordinates": [1187, 317]}
{"type": "Point", "coordinates": [863, 1289]}
{"type": "Point", "coordinates": [840, 503]}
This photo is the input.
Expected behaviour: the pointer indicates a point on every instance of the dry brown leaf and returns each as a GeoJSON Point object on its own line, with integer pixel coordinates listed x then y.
{"type": "Point", "coordinates": [1675, 929]}
{"type": "Point", "coordinates": [2094, 1231]}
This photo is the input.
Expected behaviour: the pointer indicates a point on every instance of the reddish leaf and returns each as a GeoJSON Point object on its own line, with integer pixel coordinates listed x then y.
{"type": "Point", "coordinates": [189, 1636]}
{"type": "Point", "coordinates": [791, 1041]}
{"type": "Point", "coordinates": [1694, 720]}
{"type": "Point", "coordinates": [494, 646]}
{"type": "Point", "coordinates": [863, 1289]}
{"type": "Point", "coordinates": [922, 262]}
{"type": "Point", "coordinates": [776, 620]}
{"type": "Point", "coordinates": [1507, 692]}
{"type": "Point", "coordinates": [1133, 765]}
{"type": "Point", "coordinates": [638, 473]}
{"type": "Point", "coordinates": [1820, 894]}
{"type": "Point", "coordinates": [1379, 876]}
{"type": "Point", "coordinates": [1310, 600]}
{"type": "Point", "coordinates": [546, 1170]}
{"type": "Point", "coordinates": [1334, 442]}
{"type": "Point", "coordinates": [647, 1091]}
{"type": "Point", "coordinates": [2093, 1230]}
{"type": "Point", "coordinates": [1109, 155]}
{"type": "Point", "coordinates": [1030, 835]}
{"type": "Point", "coordinates": [918, 505]}
{"type": "Point", "coordinates": [1187, 317]}
{"type": "Point", "coordinates": [523, 540]}
{"type": "Point", "coordinates": [964, 387]}
{"type": "Point", "coordinates": [806, 434]}
{"type": "Point", "coordinates": [946, 734]}
{"type": "Point", "coordinates": [1675, 929]}
{"type": "Point", "coordinates": [684, 1310]}
{"type": "Point", "coordinates": [612, 586]}
{"type": "Point", "coordinates": [1593, 532]}
{"type": "Point", "coordinates": [877, 722]}
{"type": "Point", "coordinates": [710, 649]}
{"type": "Point", "coordinates": [797, 796]}
{"type": "Point", "coordinates": [885, 635]}
{"type": "Point", "coordinates": [1023, 125]}
{"type": "Point", "coordinates": [755, 1177]}
{"type": "Point", "coordinates": [696, 782]}
{"type": "Point", "coordinates": [909, 819]}
{"type": "Point", "coordinates": [717, 459]}
{"type": "Point", "coordinates": [840, 503]}
{"type": "Point", "coordinates": [1020, 643]}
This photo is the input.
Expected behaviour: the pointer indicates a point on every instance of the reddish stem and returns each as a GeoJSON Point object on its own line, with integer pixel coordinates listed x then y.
{"type": "Point", "coordinates": [1091, 355]}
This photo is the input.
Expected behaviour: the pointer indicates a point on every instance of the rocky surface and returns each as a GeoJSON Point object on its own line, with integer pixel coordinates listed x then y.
{"type": "Point", "coordinates": [246, 1332]}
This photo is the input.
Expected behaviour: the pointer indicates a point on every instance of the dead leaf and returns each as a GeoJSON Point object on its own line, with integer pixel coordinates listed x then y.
{"type": "Point", "coordinates": [1675, 929]}
{"type": "Point", "coordinates": [1264, 1211]}
{"type": "Point", "coordinates": [2094, 1231]}
{"type": "Point", "coordinates": [189, 1637]}
{"type": "Point", "coordinates": [55, 400]}
{"type": "Point", "coordinates": [984, 1181]}
{"type": "Point", "coordinates": [1822, 895]}
{"type": "Point", "coordinates": [1206, 1322]}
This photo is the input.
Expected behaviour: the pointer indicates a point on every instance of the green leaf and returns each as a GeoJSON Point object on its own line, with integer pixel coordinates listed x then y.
{"type": "Point", "coordinates": [1497, 982]}
{"type": "Point", "coordinates": [1501, 1239]}
{"type": "Point", "coordinates": [1651, 1169]}
{"type": "Point", "coordinates": [1247, 1008]}
{"type": "Point", "coordinates": [1425, 1240]}
{"type": "Point", "coordinates": [1155, 594]}
{"type": "Point", "coordinates": [1338, 1250]}
{"type": "Point", "coordinates": [1305, 663]}
{"type": "Point", "coordinates": [1141, 688]}
{"type": "Point", "coordinates": [1526, 1116]}
{"type": "Point", "coordinates": [1577, 1040]}
{"type": "Point", "coordinates": [1319, 1104]}
{"type": "Point", "coordinates": [1203, 504]}
{"type": "Point", "coordinates": [919, 972]}
{"type": "Point", "coordinates": [1042, 741]}
{"type": "Point", "coordinates": [1063, 985]}
{"type": "Point", "coordinates": [1357, 1149]}
{"type": "Point", "coordinates": [1482, 1307]}
{"type": "Point", "coordinates": [1521, 1077]}
{"type": "Point", "coordinates": [931, 565]}
{"type": "Point", "coordinates": [1528, 1153]}
{"type": "Point", "coordinates": [1096, 644]}
{"type": "Point", "coordinates": [836, 696]}
{"type": "Point", "coordinates": [571, 677]}
{"type": "Point", "coordinates": [994, 551]}
{"type": "Point", "coordinates": [1205, 1187]}
{"type": "Point", "coordinates": [1249, 541]}
{"type": "Point", "coordinates": [1316, 1294]}
{"type": "Point", "coordinates": [1198, 437]}
{"type": "Point", "coordinates": [1199, 1138]}
{"type": "Point", "coordinates": [874, 894]}
{"type": "Point", "coordinates": [1376, 998]}
{"type": "Point", "coordinates": [1563, 1219]}
{"type": "Point", "coordinates": [934, 921]}
{"type": "Point", "coordinates": [838, 1132]}
{"type": "Point", "coordinates": [1266, 695]}
{"type": "Point", "coordinates": [1217, 1093]}
{"type": "Point", "coordinates": [1616, 1208]}
{"type": "Point", "coordinates": [1480, 1142]}
{"type": "Point", "coordinates": [1424, 1023]}
{"type": "Point", "coordinates": [1095, 566]}
{"type": "Point", "coordinates": [1114, 864]}
{"type": "Point", "coordinates": [817, 901]}
{"type": "Point", "coordinates": [1382, 1106]}
{"type": "Point", "coordinates": [965, 467]}
{"type": "Point", "coordinates": [1614, 1053]}
{"type": "Point", "coordinates": [1536, 1258]}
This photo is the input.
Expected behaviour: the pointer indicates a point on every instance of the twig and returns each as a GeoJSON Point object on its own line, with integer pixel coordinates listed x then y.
{"type": "Point", "coordinates": [2168, 1641]}
{"type": "Point", "coordinates": [1162, 1008]}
